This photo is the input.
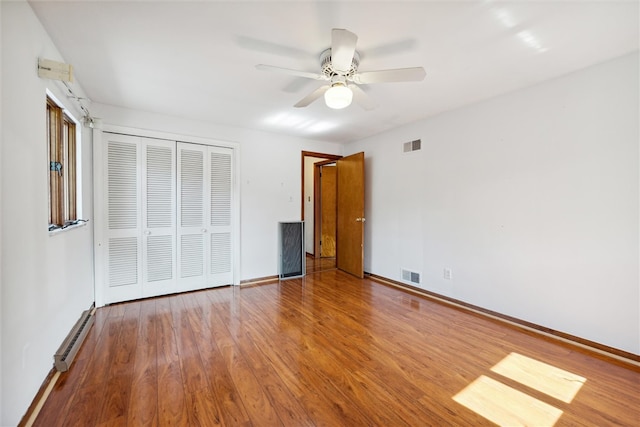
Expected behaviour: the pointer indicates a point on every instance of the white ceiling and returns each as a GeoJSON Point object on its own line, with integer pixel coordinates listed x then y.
{"type": "Point", "coordinates": [197, 59]}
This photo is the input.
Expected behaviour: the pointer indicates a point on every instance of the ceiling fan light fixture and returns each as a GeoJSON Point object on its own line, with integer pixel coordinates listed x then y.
{"type": "Point", "coordinates": [339, 67]}
{"type": "Point", "coordinates": [338, 96]}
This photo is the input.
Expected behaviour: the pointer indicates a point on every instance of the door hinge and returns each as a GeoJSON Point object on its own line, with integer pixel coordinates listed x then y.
{"type": "Point", "coordinates": [55, 167]}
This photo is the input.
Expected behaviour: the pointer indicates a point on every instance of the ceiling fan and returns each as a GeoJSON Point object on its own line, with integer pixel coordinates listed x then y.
{"type": "Point", "coordinates": [339, 67]}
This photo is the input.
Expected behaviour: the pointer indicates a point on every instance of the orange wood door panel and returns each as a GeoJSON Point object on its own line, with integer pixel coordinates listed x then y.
{"type": "Point", "coordinates": [329, 212]}
{"type": "Point", "coordinates": [350, 234]}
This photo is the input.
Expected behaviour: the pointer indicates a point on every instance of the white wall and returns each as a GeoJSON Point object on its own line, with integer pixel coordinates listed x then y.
{"type": "Point", "coordinates": [1, 208]}
{"type": "Point", "coordinates": [531, 199]}
{"type": "Point", "coordinates": [47, 281]}
{"type": "Point", "coordinates": [269, 178]}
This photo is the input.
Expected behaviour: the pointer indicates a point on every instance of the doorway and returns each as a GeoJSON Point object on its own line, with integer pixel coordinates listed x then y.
{"type": "Point", "coordinates": [334, 219]}
{"type": "Point", "coordinates": [326, 209]}
{"type": "Point", "coordinates": [310, 213]}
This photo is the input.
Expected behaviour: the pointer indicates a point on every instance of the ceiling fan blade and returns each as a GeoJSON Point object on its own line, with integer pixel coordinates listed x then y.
{"type": "Point", "coordinates": [263, 46]}
{"type": "Point", "coordinates": [383, 76]}
{"type": "Point", "coordinates": [296, 73]}
{"type": "Point", "coordinates": [391, 48]}
{"type": "Point", "coordinates": [312, 96]}
{"type": "Point", "coordinates": [362, 99]}
{"type": "Point", "coordinates": [343, 47]}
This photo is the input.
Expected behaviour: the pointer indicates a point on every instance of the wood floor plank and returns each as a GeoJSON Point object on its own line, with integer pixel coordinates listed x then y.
{"type": "Point", "coordinates": [105, 349]}
{"type": "Point", "coordinates": [325, 350]}
{"type": "Point", "coordinates": [228, 401]}
{"type": "Point", "coordinates": [193, 372]}
{"type": "Point", "coordinates": [256, 402]}
{"type": "Point", "coordinates": [143, 402]}
{"type": "Point", "coordinates": [330, 405]}
{"type": "Point", "coordinates": [87, 402]}
{"type": "Point", "coordinates": [172, 409]}
{"type": "Point", "coordinates": [85, 406]}
{"type": "Point", "coordinates": [283, 400]}
{"type": "Point", "coordinates": [202, 409]}
{"type": "Point", "coordinates": [118, 386]}
{"type": "Point", "coordinates": [382, 367]}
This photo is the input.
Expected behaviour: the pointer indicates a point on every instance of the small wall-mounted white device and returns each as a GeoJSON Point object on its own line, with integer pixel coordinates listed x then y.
{"type": "Point", "coordinates": [48, 69]}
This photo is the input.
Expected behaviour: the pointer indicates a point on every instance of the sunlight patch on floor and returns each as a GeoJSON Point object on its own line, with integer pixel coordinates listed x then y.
{"type": "Point", "coordinates": [552, 381]}
{"type": "Point", "coordinates": [506, 406]}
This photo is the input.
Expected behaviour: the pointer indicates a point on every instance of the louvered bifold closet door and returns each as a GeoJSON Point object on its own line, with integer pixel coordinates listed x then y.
{"type": "Point", "coordinates": [123, 226]}
{"type": "Point", "coordinates": [158, 217]}
{"type": "Point", "coordinates": [220, 216]}
{"type": "Point", "coordinates": [205, 215]}
{"type": "Point", "coordinates": [192, 227]}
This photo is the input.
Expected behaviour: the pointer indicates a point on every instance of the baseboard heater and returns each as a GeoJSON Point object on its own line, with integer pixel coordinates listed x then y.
{"type": "Point", "coordinates": [71, 344]}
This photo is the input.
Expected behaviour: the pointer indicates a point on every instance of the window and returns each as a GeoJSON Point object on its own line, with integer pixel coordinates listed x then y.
{"type": "Point", "coordinates": [61, 136]}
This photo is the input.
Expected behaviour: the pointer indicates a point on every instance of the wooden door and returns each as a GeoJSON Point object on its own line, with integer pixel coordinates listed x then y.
{"type": "Point", "coordinates": [328, 211]}
{"type": "Point", "coordinates": [350, 230]}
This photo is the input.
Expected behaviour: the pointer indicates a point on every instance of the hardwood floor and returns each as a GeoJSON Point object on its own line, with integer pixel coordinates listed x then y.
{"type": "Point", "coordinates": [329, 350]}
{"type": "Point", "coordinates": [319, 264]}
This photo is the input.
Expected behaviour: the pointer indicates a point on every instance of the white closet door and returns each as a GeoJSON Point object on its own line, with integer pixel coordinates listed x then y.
{"type": "Point", "coordinates": [123, 279]}
{"type": "Point", "coordinates": [192, 227]}
{"type": "Point", "coordinates": [170, 217]}
{"type": "Point", "coordinates": [205, 215]}
{"type": "Point", "coordinates": [158, 216]}
{"type": "Point", "coordinates": [220, 216]}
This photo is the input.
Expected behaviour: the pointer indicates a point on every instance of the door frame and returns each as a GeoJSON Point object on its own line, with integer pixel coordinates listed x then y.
{"type": "Point", "coordinates": [332, 157]}
{"type": "Point", "coordinates": [317, 206]}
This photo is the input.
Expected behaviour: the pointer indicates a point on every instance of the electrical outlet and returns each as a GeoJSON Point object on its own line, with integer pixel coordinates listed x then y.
{"type": "Point", "coordinates": [448, 275]}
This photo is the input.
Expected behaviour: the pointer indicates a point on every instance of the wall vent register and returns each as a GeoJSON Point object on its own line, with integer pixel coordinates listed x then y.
{"type": "Point", "coordinates": [410, 276]}
{"type": "Point", "coordinates": [412, 146]}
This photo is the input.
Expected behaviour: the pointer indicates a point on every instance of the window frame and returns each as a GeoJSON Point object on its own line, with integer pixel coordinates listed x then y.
{"type": "Point", "coordinates": [63, 139]}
